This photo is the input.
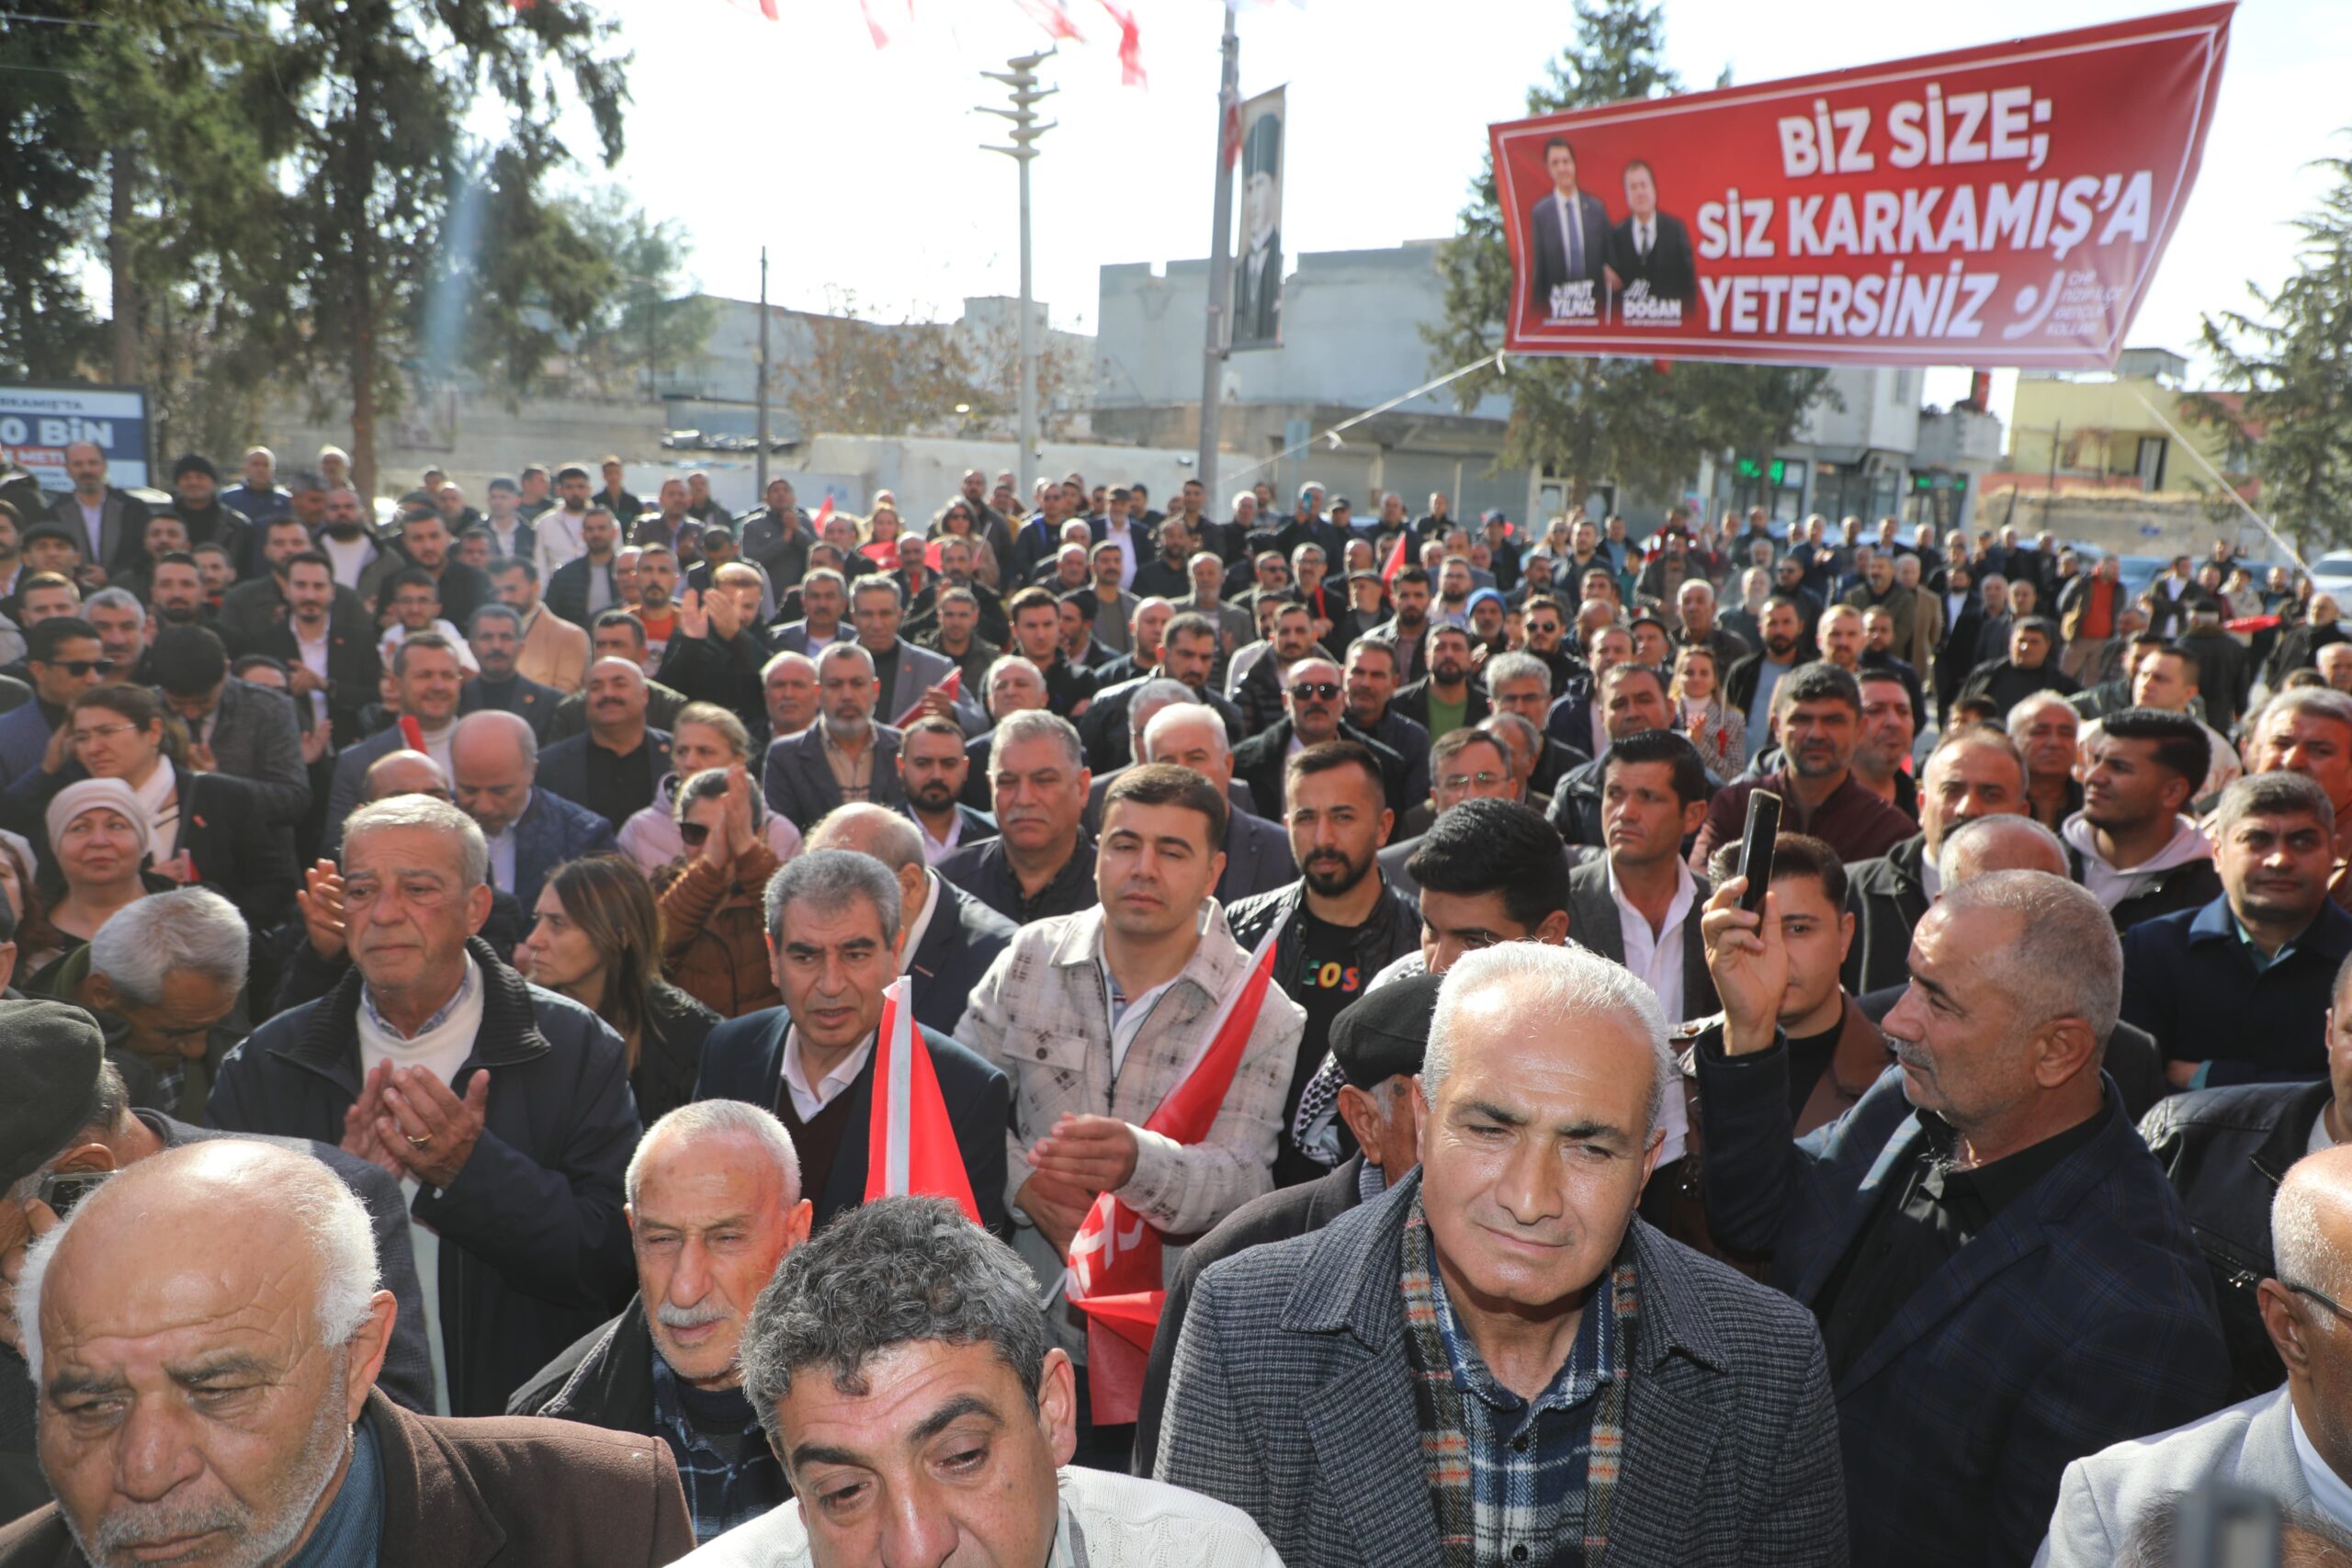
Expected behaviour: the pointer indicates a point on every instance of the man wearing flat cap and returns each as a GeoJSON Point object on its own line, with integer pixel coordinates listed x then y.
{"type": "Point", "coordinates": [1377, 1041]}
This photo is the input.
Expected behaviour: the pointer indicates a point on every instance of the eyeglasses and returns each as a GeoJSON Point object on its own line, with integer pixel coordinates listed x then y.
{"type": "Point", "coordinates": [2324, 1301]}
{"type": "Point", "coordinates": [101, 732]}
{"type": "Point", "coordinates": [1315, 690]}
{"type": "Point", "coordinates": [1466, 781]}
{"type": "Point", "coordinates": [77, 668]}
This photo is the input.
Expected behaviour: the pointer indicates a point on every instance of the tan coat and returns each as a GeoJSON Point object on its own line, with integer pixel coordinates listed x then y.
{"type": "Point", "coordinates": [555, 652]}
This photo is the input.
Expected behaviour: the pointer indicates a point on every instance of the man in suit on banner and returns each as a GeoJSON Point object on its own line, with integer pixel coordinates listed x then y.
{"type": "Point", "coordinates": [1258, 277]}
{"type": "Point", "coordinates": [1567, 232]}
{"type": "Point", "coordinates": [1650, 247]}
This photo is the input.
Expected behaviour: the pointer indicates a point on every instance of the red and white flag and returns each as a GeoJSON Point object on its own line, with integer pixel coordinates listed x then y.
{"type": "Point", "coordinates": [951, 688]}
{"type": "Point", "coordinates": [1114, 1259]}
{"type": "Point", "coordinates": [825, 515]}
{"type": "Point", "coordinates": [911, 1141]}
{"type": "Point", "coordinates": [1395, 558]}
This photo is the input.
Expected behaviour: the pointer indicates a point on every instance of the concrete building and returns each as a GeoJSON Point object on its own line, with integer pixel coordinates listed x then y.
{"type": "Point", "coordinates": [2095, 429]}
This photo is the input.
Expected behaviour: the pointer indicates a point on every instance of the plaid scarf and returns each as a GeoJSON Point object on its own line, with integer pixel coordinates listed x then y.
{"type": "Point", "coordinates": [1454, 1491]}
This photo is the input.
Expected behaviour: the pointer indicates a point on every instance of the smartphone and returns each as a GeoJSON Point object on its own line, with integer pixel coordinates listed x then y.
{"type": "Point", "coordinates": [1756, 849]}
{"type": "Point", "coordinates": [61, 1193]}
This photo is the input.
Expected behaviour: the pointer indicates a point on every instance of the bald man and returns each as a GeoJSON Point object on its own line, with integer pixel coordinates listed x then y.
{"type": "Point", "coordinates": [1257, 853]}
{"type": "Point", "coordinates": [494, 762]}
{"type": "Point", "coordinates": [616, 766]}
{"type": "Point", "coordinates": [952, 937]}
{"type": "Point", "coordinates": [202, 1403]}
{"type": "Point", "coordinates": [2293, 1444]}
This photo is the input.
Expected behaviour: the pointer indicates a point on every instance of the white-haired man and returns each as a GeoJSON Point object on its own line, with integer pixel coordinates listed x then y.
{"type": "Point", "coordinates": [216, 1403]}
{"type": "Point", "coordinates": [714, 1204]}
{"type": "Point", "coordinates": [503, 1109]}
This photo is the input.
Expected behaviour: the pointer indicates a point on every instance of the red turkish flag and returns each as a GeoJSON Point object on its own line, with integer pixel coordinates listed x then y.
{"type": "Point", "coordinates": [1114, 1259]}
{"type": "Point", "coordinates": [951, 688]}
{"type": "Point", "coordinates": [911, 1141]}
{"type": "Point", "coordinates": [1396, 562]}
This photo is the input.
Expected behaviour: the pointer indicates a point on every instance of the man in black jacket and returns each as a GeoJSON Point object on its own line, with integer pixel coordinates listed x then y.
{"type": "Point", "coordinates": [332, 666]}
{"type": "Point", "coordinates": [952, 937]}
{"type": "Point", "coordinates": [586, 586]}
{"type": "Point", "coordinates": [1313, 703]}
{"type": "Point", "coordinates": [1976, 771]}
{"type": "Point", "coordinates": [714, 1204]}
{"type": "Point", "coordinates": [1377, 1041]}
{"type": "Point", "coordinates": [516, 1194]}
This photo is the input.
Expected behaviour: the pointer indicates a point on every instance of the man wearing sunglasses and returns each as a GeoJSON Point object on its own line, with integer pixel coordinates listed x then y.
{"type": "Point", "coordinates": [63, 658]}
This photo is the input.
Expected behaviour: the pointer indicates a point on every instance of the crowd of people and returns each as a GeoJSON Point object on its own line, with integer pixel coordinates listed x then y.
{"type": "Point", "coordinates": [447, 967]}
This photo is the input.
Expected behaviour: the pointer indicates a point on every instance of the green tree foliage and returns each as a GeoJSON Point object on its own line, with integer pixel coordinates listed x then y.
{"type": "Point", "coordinates": [52, 169]}
{"type": "Point", "coordinates": [653, 320]}
{"type": "Point", "coordinates": [2292, 425]}
{"type": "Point", "coordinates": [1592, 421]}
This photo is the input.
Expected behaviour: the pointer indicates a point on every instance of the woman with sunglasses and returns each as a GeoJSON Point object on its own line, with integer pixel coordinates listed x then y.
{"type": "Point", "coordinates": [598, 941]}
{"type": "Point", "coordinates": [703, 736]}
{"type": "Point", "coordinates": [714, 941]}
{"type": "Point", "coordinates": [201, 826]}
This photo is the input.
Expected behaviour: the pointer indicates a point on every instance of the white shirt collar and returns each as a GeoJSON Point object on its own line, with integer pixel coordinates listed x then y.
{"type": "Point", "coordinates": [808, 1099]}
{"type": "Point", "coordinates": [2328, 1489]}
{"type": "Point", "coordinates": [915, 932]}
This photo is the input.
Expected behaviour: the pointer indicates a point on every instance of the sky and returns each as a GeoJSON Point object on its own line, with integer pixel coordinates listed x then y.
{"type": "Point", "coordinates": [862, 169]}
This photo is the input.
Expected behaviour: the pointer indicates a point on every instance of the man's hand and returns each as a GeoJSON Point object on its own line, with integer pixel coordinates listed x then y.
{"type": "Point", "coordinates": [692, 621]}
{"type": "Point", "coordinates": [54, 755]}
{"type": "Point", "coordinates": [321, 901]}
{"type": "Point", "coordinates": [316, 740]}
{"type": "Point", "coordinates": [1057, 1208]}
{"type": "Point", "coordinates": [360, 1135]}
{"type": "Point", "coordinates": [937, 703]}
{"type": "Point", "coordinates": [1094, 1154]}
{"type": "Point", "coordinates": [302, 680]}
{"type": "Point", "coordinates": [1749, 962]}
{"type": "Point", "coordinates": [200, 759]}
{"type": "Point", "coordinates": [428, 1129]}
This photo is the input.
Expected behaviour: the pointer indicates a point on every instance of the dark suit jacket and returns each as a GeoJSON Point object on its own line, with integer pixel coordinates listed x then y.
{"type": "Point", "coordinates": [963, 939]}
{"type": "Point", "coordinates": [122, 518]}
{"type": "Point", "coordinates": [1594, 922]}
{"type": "Point", "coordinates": [1284, 1213]}
{"type": "Point", "coordinates": [743, 1059]}
{"type": "Point", "coordinates": [1668, 269]}
{"type": "Point", "coordinates": [799, 782]}
{"type": "Point", "coordinates": [567, 592]}
{"type": "Point", "coordinates": [563, 767]}
{"type": "Point", "coordinates": [1412, 702]}
{"type": "Point", "coordinates": [354, 670]}
{"type": "Point", "coordinates": [1259, 762]}
{"type": "Point", "coordinates": [509, 1492]}
{"type": "Point", "coordinates": [1257, 858]}
{"type": "Point", "coordinates": [550, 832]}
{"type": "Point", "coordinates": [978, 826]}
{"type": "Point", "coordinates": [1550, 253]}
{"type": "Point", "coordinates": [1291, 1399]}
{"type": "Point", "coordinates": [2083, 1315]}
{"type": "Point", "coordinates": [535, 704]}
{"type": "Point", "coordinates": [1258, 303]}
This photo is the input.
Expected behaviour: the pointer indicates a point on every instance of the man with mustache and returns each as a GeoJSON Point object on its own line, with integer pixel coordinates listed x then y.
{"type": "Point", "coordinates": [1819, 710]}
{"type": "Point", "coordinates": [714, 1204]}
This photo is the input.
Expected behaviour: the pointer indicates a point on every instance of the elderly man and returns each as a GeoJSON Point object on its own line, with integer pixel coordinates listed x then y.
{"type": "Point", "coordinates": [836, 930]}
{"type": "Point", "coordinates": [713, 1205]}
{"type": "Point", "coordinates": [788, 692]}
{"type": "Point", "coordinates": [846, 756]}
{"type": "Point", "coordinates": [909, 678]}
{"type": "Point", "coordinates": [1257, 853]}
{"type": "Point", "coordinates": [1481, 1310]}
{"type": "Point", "coordinates": [901, 1333]}
{"type": "Point", "coordinates": [554, 651]}
{"type": "Point", "coordinates": [1313, 712]}
{"type": "Point", "coordinates": [613, 768]}
{"type": "Point", "coordinates": [1102, 1014]}
{"type": "Point", "coordinates": [952, 937]}
{"type": "Point", "coordinates": [1975, 772]}
{"type": "Point", "coordinates": [515, 1195]}
{"type": "Point", "coordinates": [251, 1431]}
{"type": "Point", "coordinates": [1041, 863]}
{"type": "Point", "coordinates": [494, 766]}
{"type": "Point", "coordinates": [2287, 1444]}
{"type": "Point", "coordinates": [495, 637]}
{"type": "Point", "coordinates": [2003, 1278]}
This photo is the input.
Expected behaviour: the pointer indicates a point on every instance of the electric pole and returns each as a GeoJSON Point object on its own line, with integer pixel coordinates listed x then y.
{"type": "Point", "coordinates": [760, 467]}
{"type": "Point", "coordinates": [1228, 152]}
{"type": "Point", "coordinates": [1020, 75]}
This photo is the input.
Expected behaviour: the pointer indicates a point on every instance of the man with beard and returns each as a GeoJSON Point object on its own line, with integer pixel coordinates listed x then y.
{"type": "Point", "coordinates": [112, 523]}
{"type": "Point", "coordinates": [933, 769]}
{"type": "Point", "coordinates": [558, 534]}
{"type": "Point", "coordinates": [1341, 922]}
{"type": "Point", "coordinates": [176, 593]}
{"type": "Point", "coordinates": [844, 757]}
{"type": "Point", "coordinates": [1408, 629]}
{"type": "Point", "coordinates": [2131, 844]}
{"type": "Point", "coordinates": [348, 540]}
{"type": "Point", "coordinates": [1445, 699]}
{"type": "Point", "coordinates": [1753, 681]}
{"type": "Point", "coordinates": [1879, 652]}
{"type": "Point", "coordinates": [1819, 710]}
{"type": "Point", "coordinates": [425, 546]}
{"type": "Point", "coordinates": [657, 609]}
{"type": "Point", "coordinates": [495, 639]}
{"type": "Point", "coordinates": [132, 1301]}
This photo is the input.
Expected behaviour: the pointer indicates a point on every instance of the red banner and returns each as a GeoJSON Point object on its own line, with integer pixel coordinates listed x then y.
{"type": "Point", "coordinates": [1998, 206]}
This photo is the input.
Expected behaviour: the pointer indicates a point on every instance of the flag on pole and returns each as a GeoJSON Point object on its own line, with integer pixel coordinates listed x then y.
{"type": "Point", "coordinates": [1114, 1259]}
{"type": "Point", "coordinates": [825, 515]}
{"type": "Point", "coordinates": [951, 688]}
{"type": "Point", "coordinates": [1396, 562]}
{"type": "Point", "coordinates": [910, 1140]}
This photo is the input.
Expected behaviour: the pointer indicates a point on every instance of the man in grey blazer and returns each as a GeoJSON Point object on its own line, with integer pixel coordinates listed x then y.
{"type": "Point", "coordinates": [803, 774]}
{"type": "Point", "coordinates": [110, 523]}
{"type": "Point", "coordinates": [1257, 853]}
{"type": "Point", "coordinates": [908, 673]}
{"type": "Point", "coordinates": [2290, 1444]}
{"type": "Point", "coordinates": [1305, 1392]}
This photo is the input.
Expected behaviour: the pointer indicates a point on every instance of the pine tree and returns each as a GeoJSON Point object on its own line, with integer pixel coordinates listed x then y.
{"type": "Point", "coordinates": [1597, 419]}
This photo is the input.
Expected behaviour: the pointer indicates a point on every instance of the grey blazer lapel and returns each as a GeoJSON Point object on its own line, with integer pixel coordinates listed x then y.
{"type": "Point", "coordinates": [1670, 1438]}
{"type": "Point", "coordinates": [2266, 1460]}
{"type": "Point", "coordinates": [1367, 1449]}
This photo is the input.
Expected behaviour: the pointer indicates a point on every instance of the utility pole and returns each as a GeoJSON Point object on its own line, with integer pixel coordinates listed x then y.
{"type": "Point", "coordinates": [760, 467]}
{"type": "Point", "coordinates": [1228, 152]}
{"type": "Point", "coordinates": [1021, 74]}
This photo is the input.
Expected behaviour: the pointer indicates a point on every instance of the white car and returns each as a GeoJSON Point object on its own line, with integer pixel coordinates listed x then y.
{"type": "Point", "coordinates": [2331, 574]}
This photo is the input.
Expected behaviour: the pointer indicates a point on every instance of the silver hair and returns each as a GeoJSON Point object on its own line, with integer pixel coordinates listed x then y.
{"type": "Point", "coordinates": [845, 650]}
{"type": "Point", "coordinates": [518, 730]}
{"type": "Point", "coordinates": [997, 666]}
{"type": "Point", "coordinates": [1558, 987]}
{"type": "Point", "coordinates": [2020, 720]}
{"type": "Point", "coordinates": [720, 1118]}
{"type": "Point", "coordinates": [829, 879]}
{"type": "Point", "coordinates": [1155, 694]}
{"type": "Point", "coordinates": [188, 928]}
{"type": "Point", "coordinates": [895, 1271]}
{"type": "Point", "coordinates": [2272, 794]}
{"type": "Point", "coordinates": [2299, 1244]}
{"type": "Point", "coordinates": [510, 615]}
{"type": "Point", "coordinates": [2324, 702]}
{"type": "Point", "coordinates": [1037, 724]}
{"type": "Point", "coordinates": [1975, 839]}
{"type": "Point", "coordinates": [113, 599]}
{"type": "Point", "coordinates": [335, 1223]}
{"type": "Point", "coordinates": [434, 815]}
{"type": "Point", "coordinates": [1187, 712]}
{"type": "Point", "coordinates": [2064, 961]}
{"type": "Point", "coordinates": [885, 834]}
{"type": "Point", "coordinates": [1516, 667]}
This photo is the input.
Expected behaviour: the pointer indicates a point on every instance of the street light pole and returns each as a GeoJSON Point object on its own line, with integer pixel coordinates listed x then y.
{"type": "Point", "coordinates": [1228, 152]}
{"type": "Point", "coordinates": [761, 468]}
{"type": "Point", "coordinates": [1020, 75]}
